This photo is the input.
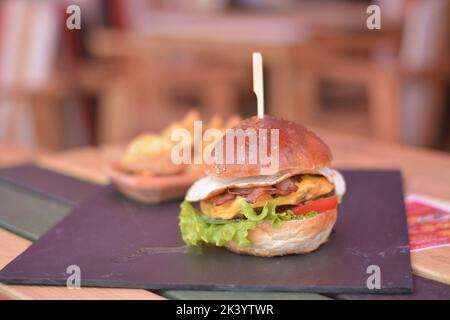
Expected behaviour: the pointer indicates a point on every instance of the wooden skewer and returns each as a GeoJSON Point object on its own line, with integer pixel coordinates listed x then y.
{"type": "Point", "coordinates": [258, 87]}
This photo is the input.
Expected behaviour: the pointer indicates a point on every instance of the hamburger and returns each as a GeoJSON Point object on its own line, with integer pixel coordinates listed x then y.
{"type": "Point", "coordinates": [241, 207]}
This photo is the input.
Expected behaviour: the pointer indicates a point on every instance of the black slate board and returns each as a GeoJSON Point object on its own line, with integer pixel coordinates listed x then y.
{"type": "Point", "coordinates": [120, 243]}
{"type": "Point", "coordinates": [49, 183]}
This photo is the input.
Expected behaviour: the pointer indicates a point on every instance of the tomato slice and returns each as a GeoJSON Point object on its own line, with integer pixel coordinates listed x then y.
{"type": "Point", "coordinates": [319, 205]}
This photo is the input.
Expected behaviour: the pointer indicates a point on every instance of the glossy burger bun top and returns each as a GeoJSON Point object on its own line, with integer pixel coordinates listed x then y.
{"type": "Point", "coordinates": [299, 149]}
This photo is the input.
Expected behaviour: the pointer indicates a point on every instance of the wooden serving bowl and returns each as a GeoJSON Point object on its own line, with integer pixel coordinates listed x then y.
{"type": "Point", "coordinates": [152, 189]}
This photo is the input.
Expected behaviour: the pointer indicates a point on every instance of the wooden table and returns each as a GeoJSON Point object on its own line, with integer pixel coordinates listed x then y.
{"type": "Point", "coordinates": [425, 172]}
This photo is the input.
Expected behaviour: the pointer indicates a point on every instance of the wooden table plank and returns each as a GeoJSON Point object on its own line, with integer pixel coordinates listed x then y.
{"type": "Point", "coordinates": [432, 264]}
{"type": "Point", "coordinates": [84, 163]}
{"type": "Point", "coordinates": [11, 155]}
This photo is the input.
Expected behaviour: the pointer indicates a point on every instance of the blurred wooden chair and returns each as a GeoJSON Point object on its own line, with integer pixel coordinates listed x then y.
{"type": "Point", "coordinates": [33, 93]}
{"type": "Point", "coordinates": [217, 48]}
{"type": "Point", "coordinates": [27, 38]}
{"type": "Point", "coordinates": [404, 67]}
{"type": "Point", "coordinates": [156, 84]}
{"type": "Point", "coordinates": [147, 102]}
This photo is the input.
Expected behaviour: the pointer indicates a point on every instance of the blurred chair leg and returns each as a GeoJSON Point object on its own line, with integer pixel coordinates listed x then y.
{"type": "Point", "coordinates": [115, 116]}
{"type": "Point", "coordinates": [282, 92]}
{"type": "Point", "coordinates": [221, 96]}
{"type": "Point", "coordinates": [434, 105]}
{"type": "Point", "coordinates": [384, 103]}
{"type": "Point", "coordinates": [307, 96]}
{"type": "Point", "coordinates": [7, 121]}
{"type": "Point", "coordinates": [47, 121]}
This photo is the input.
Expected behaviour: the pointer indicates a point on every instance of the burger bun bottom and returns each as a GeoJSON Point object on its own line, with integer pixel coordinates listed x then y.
{"type": "Point", "coordinates": [291, 237]}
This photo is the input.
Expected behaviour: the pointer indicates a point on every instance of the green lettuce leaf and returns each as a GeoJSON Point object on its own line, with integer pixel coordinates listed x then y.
{"type": "Point", "coordinates": [267, 213]}
{"type": "Point", "coordinates": [197, 228]}
{"type": "Point", "coordinates": [289, 215]}
{"type": "Point", "coordinates": [210, 220]}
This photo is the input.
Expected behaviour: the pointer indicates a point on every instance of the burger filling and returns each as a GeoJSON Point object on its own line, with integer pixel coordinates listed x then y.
{"type": "Point", "coordinates": [292, 191]}
{"type": "Point", "coordinates": [229, 215]}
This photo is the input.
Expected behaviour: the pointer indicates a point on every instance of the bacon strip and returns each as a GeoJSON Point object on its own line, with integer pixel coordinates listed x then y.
{"type": "Point", "coordinates": [287, 186]}
{"type": "Point", "coordinates": [258, 192]}
{"type": "Point", "coordinates": [251, 195]}
{"type": "Point", "coordinates": [223, 197]}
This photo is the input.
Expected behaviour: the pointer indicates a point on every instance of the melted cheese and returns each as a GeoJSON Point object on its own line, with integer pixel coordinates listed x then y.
{"type": "Point", "coordinates": [309, 187]}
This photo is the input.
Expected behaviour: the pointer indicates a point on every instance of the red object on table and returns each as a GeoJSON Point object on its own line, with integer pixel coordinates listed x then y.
{"type": "Point", "coordinates": [428, 224]}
